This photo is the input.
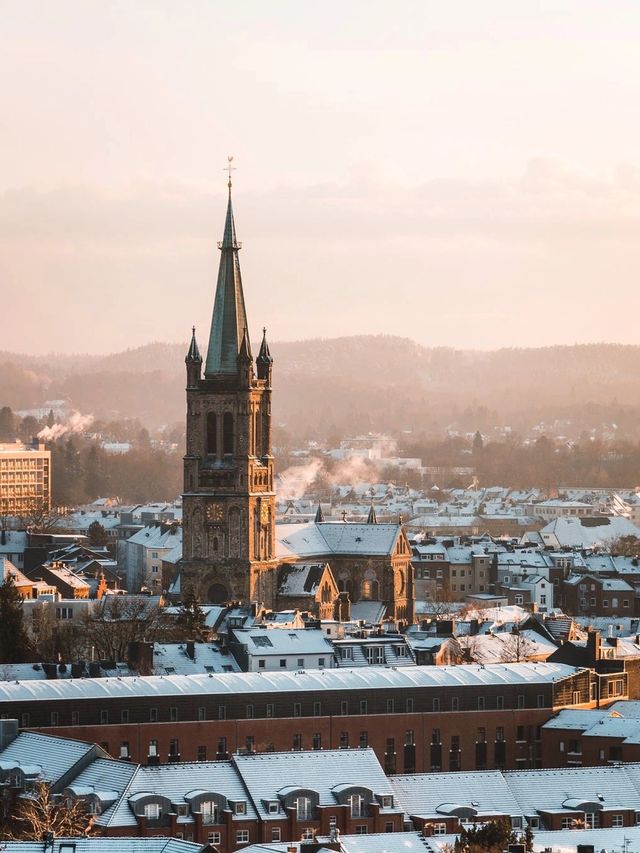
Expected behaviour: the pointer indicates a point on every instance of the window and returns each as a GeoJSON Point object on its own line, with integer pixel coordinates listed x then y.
{"type": "Point", "coordinates": [317, 709]}
{"type": "Point", "coordinates": [321, 662]}
{"type": "Point", "coordinates": [214, 838]}
{"type": "Point", "coordinates": [153, 749]}
{"type": "Point", "coordinates": [249, 712]}
{"type": "Point", "coordinates": [344, 740]}
{"type": "Point", "coordinates": [75, 718]}
{"type": "Point", "coordinates": [316, 741]}
{"type": "Point", "coordinates": [363, 706]}
{"type": "Point", "coordinates": [303, 808]}
{"type": "Point", "coordinates": [300, 663]}
{"type": "Point", "coordinates": [391, 706]}
{"type": "Point", "coordinates": [202, 713]}
{"type": "Point", "coordinates": [576, 697]}
{"type": "Point", "coordinates": [409, 737]}
{"type": "Point", "coordinates": [210, 812]}
{"type": "Point", "coordinates": [212, 434]}
{"type": "Point", "coordinates": [222, 712]}
{"type": "Point", "coordinates": [222, 745]}
{"type": "Point", "coordinates": [520, 700]}
{"type": "Point", "coordinates": [124, 749]}
{"type": "Point", "coordinates": [202, 753]}
{"type": "Point", "coordinates": [124, 716]}
{"type": "Point", "coordinates": [500, 734]}
{"type": "Point", "coordinates": [481, 735]}
{"type": "Point", "coordinates": [54, 718]}
{"type": "Point", "coordinates": [242, 835]}
{"type": "Point", "coordinates": [540, 700]}
{"type": "Point", "coordinates": [274, 808]}
{"type": "Point", "coordinates": [364, 740]}
{"type": "Point", "coordinates": [297, 742]}
{"type": "Point", "coordinates": [152, 811]}
{"type": "Point", "coordinates": [297, 709]}
{"type": "Point", "coordinates": [174, 748]}
{"type": "Point", "coordinates": [436, 704]}
{"type": "Point", "coordinates": [356, 805]}
{"type": "Point", "coordinates": [344, 707]}
{"type": "Point", "coordinates": [153, 715]}
{"type": "Point", "coordinates": [617, 820]}
{"type": "Point", "coordinates": [520, 733]}
{"type": "Point", "coordinates": [276, 833]}
{"type": "Point", "coordinates": [439, 828]}
{"type": "Point", "coordinates": [104, 718]}
{"type": "Point", "coordinates": [173, 715]}
{"type": "Point", "coordinates": [249, 743]}
{"type": "Point", "coordinates": [241, 808]}
{"type": "Point", "coordinates": [361, 829]}
{"type": "Point", "coordinates": [308, 834]}
{"type": "Point", "coordinates": [454, 703]}
{"type": "Point", "coordinates": [388, 827]}
{"type": "Point", "coordinates": [269, 710]}
{"type": "Point", "coordinates": [283, 663]}
{"type": "Point", "coordinates": [375, 655]}
{"type": "Point", "coordinates": [227, 434]}
{"type": "Point", "coordinates": [480, 703]}
{"type": "Point", "coordinates": [500, 703]}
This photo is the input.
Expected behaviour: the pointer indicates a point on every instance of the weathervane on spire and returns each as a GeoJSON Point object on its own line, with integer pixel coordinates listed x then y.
{"type": "Point", "coordinates": [229, 168]}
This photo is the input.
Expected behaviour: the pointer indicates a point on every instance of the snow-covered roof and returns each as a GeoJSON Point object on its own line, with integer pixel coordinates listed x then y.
{"type": "Point", "coordinates": [53, 755]}
{"type": "Point", "coordinates": [336, 537]}
{"type": "Point", "coordinates": [370, 678]}
{"type": "Point", "coordinates": [175, 781]}
{"type": "Point", "coordinates": [300, 579]}
{"type": "Point", "coordinates": [422, 794]}
{"type": "Point", "coordinates": [292, 641]}
{"type": "Point", "coordinates": [265, 774]}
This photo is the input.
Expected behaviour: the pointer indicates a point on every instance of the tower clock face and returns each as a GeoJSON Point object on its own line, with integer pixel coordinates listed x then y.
{"type": "Point", "coordinates": [215, 512]}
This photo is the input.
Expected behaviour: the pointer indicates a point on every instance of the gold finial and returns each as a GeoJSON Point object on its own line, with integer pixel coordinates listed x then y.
{"type": "Point", "coordinates": [229, 168]}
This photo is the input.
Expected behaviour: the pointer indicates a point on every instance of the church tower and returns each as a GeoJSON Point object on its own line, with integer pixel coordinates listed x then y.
{"type": "Point", "coordinates": [228, 501]}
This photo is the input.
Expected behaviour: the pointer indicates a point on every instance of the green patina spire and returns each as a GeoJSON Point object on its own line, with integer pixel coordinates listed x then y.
{"type": "Point", "coordinates": [229, 320]}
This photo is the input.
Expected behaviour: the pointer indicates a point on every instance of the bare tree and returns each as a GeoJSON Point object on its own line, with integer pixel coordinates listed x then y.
{"type": "Point", "coordinates": [38, 517]}
{"type": "Point", "coordinates": [122, 620]}
{"type": "Point", "coordinates": [516, 647]}
{"type": "Point", "coordinates": [470, 651]}
{"type": "Point", "coordinates": [40, 812]}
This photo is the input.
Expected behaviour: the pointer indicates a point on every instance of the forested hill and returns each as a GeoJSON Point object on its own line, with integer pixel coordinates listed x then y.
{"type": "Point", "coordinates": [340, 385]}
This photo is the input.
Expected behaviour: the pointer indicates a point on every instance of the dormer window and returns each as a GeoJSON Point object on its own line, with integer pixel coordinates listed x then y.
{"type": "Point", "coordinates": [152, 811]}
{"type": "Point", "coordinates": [241, 808]}
{"type": "Point", "coordinates": [303, 808]}
{"type": "Point", "coordinates": [357, 806]}
{"type": "Point", "coordinates": [274, 808]}
{"type": "Point", "coordinates": [387, 802]}
{"type": "Point", "coordinates": [210, 812]}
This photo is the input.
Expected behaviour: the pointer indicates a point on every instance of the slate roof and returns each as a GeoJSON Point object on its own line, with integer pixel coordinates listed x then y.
{"type": "Point", "coordinates": [267, 773]}
{"type": "Point", "coordinates": [174, 781]}
{"type": "Point", "coordinates": [279, 682]}
{"type": "Point", "coordinates": [541, 790]}
{"type": "Point", "coordinates": [55, 756]}
{"type": "Point", "coordinates": [422, 793]}
{"type": "Point", "coordinates": [259, 641]}
{"type": "Point", "coordinates": [105, 845]}
{"type": "Point", "coordinates": [300, 579]}
{"type": "Point", "coordinates": [335, 537]}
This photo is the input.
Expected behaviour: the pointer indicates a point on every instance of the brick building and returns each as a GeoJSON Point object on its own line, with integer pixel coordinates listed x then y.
{"type": "Point", "coordinates": [414, 718]}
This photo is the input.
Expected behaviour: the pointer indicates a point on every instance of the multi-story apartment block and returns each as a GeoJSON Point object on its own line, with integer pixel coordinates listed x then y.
{"type": "Point", "coordinates": [25, 478]}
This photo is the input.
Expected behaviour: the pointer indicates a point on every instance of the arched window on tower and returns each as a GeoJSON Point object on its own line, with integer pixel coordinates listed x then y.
{"type": "Point", "coordinates": [227, 434]}
{"type": "Point", "coordinates": [258, 434]}
{"type": "Point", "coordinates": [212, 434]}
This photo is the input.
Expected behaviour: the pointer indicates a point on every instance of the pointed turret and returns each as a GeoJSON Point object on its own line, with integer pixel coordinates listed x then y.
{"type": "Point", "coordinates": [319, 514]}
{"type": "Point", "coordinates": [245, 361]}
{"type": "Point", "coordinates": [372, 518]}
{"type": "Point", "coordinates": [193, 360]}
{"type": "Point", "coordinates": [229, 321]}
{"type": "Point", "coordinates": [264, 361]}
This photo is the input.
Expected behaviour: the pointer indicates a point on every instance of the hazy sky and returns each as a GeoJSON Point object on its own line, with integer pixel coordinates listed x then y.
{"type": "Point", "coordinates": [465, 173]}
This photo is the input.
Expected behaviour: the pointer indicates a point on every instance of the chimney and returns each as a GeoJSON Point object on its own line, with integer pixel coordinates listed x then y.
{"type": "Point", "coordinates": [593, 645]}
{"type": "Point", "coordinates": [190, 649]}
{"type": "Point", "coordinates": [473, 627]}
{"type": "Point", "coordinates": [8, 733]}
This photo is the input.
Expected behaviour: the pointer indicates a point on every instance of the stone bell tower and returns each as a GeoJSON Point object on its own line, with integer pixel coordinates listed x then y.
{"type": "Point", "coordinates": [228, 500]}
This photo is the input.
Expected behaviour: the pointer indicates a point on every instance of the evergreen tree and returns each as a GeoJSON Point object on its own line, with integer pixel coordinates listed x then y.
{"type": "Point", "coordinates": [478, 443]}
{"type": "Point", "coordinates": [94, 479]}
{"type": "Point", "coordinates": [14, 642]}
{"type": "Point", "coordinates": [191, 618]}
{"type": "Point", "coordinates": [97, 534]}
{"type": "Point", "coordinates": [51, 418]}
{"type": "Point", "coordinates": [29, 428]}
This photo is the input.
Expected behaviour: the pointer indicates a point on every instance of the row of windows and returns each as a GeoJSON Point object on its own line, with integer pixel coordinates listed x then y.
{"type": "Point", "coordinates": [346, 708]}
